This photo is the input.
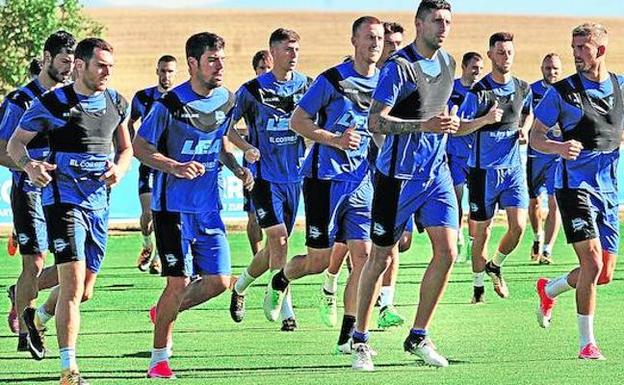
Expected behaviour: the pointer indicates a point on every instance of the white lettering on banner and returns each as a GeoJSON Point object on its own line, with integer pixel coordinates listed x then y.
{"type": "Point", "coordinates": [233, 188]}
{"type": "Point", "coordinates": [5, 190]}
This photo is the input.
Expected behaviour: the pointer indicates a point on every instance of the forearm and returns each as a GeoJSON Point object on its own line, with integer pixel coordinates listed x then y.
{"type": "Point", "coordinates": [18, 153]}
{"type": "Point", "coordinates": [309, 130]}
{"type": "Point", "coordinates": [5, 159]}
{"type": "Point", "coordinates": [235, 138]}
{"type": "Point", "coordinates": [123, 159]}
{"type": "Point", "coordinates": [389, 125]}
{"type": "Point", "coordinates": [229, 160]}
{"type": "Point", "coordinates": [526, 126]}
{"type": "Point", "coordinates": [148, 155]}
{"type": "Point", "coordinates": [541, 143]}
{"type": "Point", "coordinates": [467, 127]}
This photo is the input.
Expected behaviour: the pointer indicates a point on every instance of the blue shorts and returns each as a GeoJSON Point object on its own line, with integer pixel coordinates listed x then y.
{"type": "Point", "coordinates": [589, 214]}
{"type": "Point", "coordinates": [276, 203]}
{"type": "Point", "coordinates": [336, 210]}
{"type": "Point", "coordinates": [459, 169]}
{"type": "Point", "coordinates": [146, 179]}
{"type": "Point", "coordinates": [77, 234]}
{"type": "Point", "coordinates": [492, 188]}
{"type": "Point", "coordinates": [29, 221]}
{"type": "Point", "coordinates": [190, 244]}
{"type": "Point", "coordinates": [432, 203]}
{"type": "Point", "coordinates": [541, 174]}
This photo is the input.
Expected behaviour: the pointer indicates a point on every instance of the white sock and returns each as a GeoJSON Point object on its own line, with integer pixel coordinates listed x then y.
{"type": "Point", "coordinates": [547, 249]}
{"type": "Point", "coordinates": [586, 329]}
{"type": "Point", "coordinates": [538, 236]}
{"type": "Point", "coordinates": [558, 286]}
{"type": "Point", "coordinates": [43, 316]}
{"type": "Point", "coordinates": [147, 242]}
{"type": "Point", "coordinates": [478, 279]}
{"type": "Point", "coordinates": [287, 309]}
{"type": "Point", "coordinates": [499, 259]}
{"type": "Point", "coordinates": [243, 282]}
{"type": "Point", "coordinates": [460, 237]}
{"type": "Point", "coordinates": [331, 282]}
{"type": "Point", "coordinates": [159, 355]}
{"type": "Point", "coordinates": [386, 296]}
{"type": "Point", "coordinates": [68, 358]}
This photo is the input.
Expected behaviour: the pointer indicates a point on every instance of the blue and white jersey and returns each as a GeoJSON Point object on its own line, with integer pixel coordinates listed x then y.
{"type": "Point", "coordinates": [267, 104]}
{"type": "Point", "coordinates": [459, 146]}
{"type": "Point", "coordinates": [185, 126]}
{"type": "Point", "coordinates": [538, 90]}
{"type": "Point", "coordinates": [341, 98]}
{"type": "Point", "coordinates": [143, 101]}
{"type": "Point", "coordinates": [416, 88]}
{"type": "Point", "coordinates": [592, 113]}
{"type": "Point", "coordinates": [80, 131]}
{"type": "Point", "coordinates": [497, 145]}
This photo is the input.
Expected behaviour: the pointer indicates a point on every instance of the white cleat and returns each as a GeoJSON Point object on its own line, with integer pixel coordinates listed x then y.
{"type": "Point", "coordinates": [347, 348]}
{"type": "Point", "coordinates": [427, 352]}
{"type": "Point", "coordinates": [362, 358]}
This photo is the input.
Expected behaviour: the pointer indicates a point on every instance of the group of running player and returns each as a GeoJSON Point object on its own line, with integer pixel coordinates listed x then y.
{"type": "Point", "coordinates": [393, 139]}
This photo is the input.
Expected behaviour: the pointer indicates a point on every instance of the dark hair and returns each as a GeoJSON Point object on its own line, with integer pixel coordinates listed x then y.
{"type": "Point", "coordinates": [86, 48]}
{"type": "Point", "coordinates": [427, 6]}
{"type": "Point", "coordinates": [364, 20]}
{"type": "Point", "coordinates": [34, 68]}
{"type": "Point", "coordinates": [59, 41]}
{"type": "Point", "coordinates": [201, 42]}
{"type": "Point", "coordinates": [392, 27]}
{"type": "Point", "coordinates": [167, 59]}
{"type": "Point", "coordinates": [500, 36]}
{"type": "Point", "coordinates": [283, 34]}
{"type": "Point", "coordinates": [549, 56]}
{"type": "Point", "coordinates": [468, 56]}
{"type": "Point", "coordinates": [262, 55]}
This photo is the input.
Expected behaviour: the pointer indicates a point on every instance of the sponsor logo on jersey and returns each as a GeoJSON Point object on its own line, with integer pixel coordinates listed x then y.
{"type": "Point", "coordinates": [199, 147]}
{"type": "Point", "coordinates": [219, 117]}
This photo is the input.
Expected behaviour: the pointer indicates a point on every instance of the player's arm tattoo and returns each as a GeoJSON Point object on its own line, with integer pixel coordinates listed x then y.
{"type": "Point", "coordinates": [24, 160]}
{"type": "Point", "coordinates": [379, 122]}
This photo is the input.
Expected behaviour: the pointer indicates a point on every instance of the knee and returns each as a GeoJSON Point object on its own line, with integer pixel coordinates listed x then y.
{"type": "Point", "coordinates": [381, 262]}
{"type": "Point", "coordinates": [33, 265]}
{"type": "Point", "coordinates": [593, 268]}
{"type": "Point", "coordinates": [221, 284]}
{"type": "Point", "coordinates": [446, 256]}
{"type": "Point", "coordinates": [516, 229]}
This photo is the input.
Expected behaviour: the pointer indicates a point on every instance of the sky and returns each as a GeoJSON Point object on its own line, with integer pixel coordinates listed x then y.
{"type": "Point", "coordinates": [610, 8]}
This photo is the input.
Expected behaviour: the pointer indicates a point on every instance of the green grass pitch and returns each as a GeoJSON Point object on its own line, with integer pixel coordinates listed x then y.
{"type": "Point", "coordinates": [497, 343]}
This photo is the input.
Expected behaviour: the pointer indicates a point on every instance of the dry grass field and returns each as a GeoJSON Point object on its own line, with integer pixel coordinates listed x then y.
{"type": "Point", "coordinates": [140, 36]}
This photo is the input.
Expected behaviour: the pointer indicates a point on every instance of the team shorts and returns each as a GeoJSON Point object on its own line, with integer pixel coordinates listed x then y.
{"type": "Point", "coordinates": [276, 203]}
{"type": "Point", "coordinates": [492, 188]}
{"type": "Point", "coordinates": [146, 179]}
{"type": "Point", "coordinates": [29, 221]}
{"type": "Point", "coordinates": [541, 175]}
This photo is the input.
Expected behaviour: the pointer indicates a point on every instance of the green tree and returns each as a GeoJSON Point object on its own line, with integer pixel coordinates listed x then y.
{"type": "Point", "coordinates": [24, 27]}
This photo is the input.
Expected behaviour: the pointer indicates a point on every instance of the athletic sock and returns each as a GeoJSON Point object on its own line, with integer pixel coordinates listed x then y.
{"type": "Point", "coordinates": [359, 337]}
{"type": "Point", "coordinates": [68, 359]}
{"type": "Point", "coordinates": [287, 309]}
{"type": "Point", "coordinates": [558, 286]}
{"type": "Point", "coordinates": [243, 282]}
{"type": "Point", "coordinates": [547, 249]}
{"type": "Point", "coordinates": [159, 355]}
{"type": "Point", "coordinates": [42, 317]}
{"type": "Point", "coordinates": [538, 236]}
{"type": "Point", "coordinates": [586, 329]}
{"type": "Point", "coordinates": [346, 330]}
{"type": "Point", "coordinates": [460, 238]}
{"type": "Point", "coordinates": [331, 283]}
{"type": "Point", "coordinates": [499, 259]}
{"type": "Point", "coordinates": [417, 335]}
{"type": "Point", "coordinates": [279, 281]}
{"type": "Point", "coordinates": [386, 297]}
{"type": "Point", "coordinates": [147, 242]}
{"type": "Point", "coordinates": [478, 279]}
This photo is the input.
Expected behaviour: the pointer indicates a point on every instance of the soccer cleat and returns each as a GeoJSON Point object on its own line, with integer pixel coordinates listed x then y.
{"type": "Point", "coordinates": [154, 266]}
{"type": "Point", "coordinates": [347, 348]}
{"type": "Point", "coordinates": [328, 309]}
{"type": "Point", "coordinates": [12, 317]}
{"type": "Point", "coordinates": [273, 302]}
{"type": "Point", "coordinates": [72, 378]}
{"type": "Point", "coordinates": [478, 295]}
{"type": "Point", "coordinates": [22, 342]}
{"type": "Point", "coordinates": [12, 244]}
{"type": "Point", "coordinates": [426, 350]}
{"type": "Point", "coordinates": [545, 259]}
{"type": "Point", "coordinates": [500, 286]}
{"type": "Point", "coordinates": [153, 314]}
{"type": "Point", "coordinates": [535, 250]}
{"type": "Point", "coordinates": [389, 317]}
{"type": "Point", "coordinates": [289, 325]}
{"type": "Point", "coordinates": [362, 358]}
{"type": "Point", "coordinates": [546, 304]}
{"type": "Point", "coordinates": [143, 261]}
{"type": "Point", "coordinates": [161, 370]}
{"type": "Point", "coordinates": [591, 352]}
{"type": "Point", "coordinates": [237, 306]}
{"type": "Point", "coordinates": [36, 337]}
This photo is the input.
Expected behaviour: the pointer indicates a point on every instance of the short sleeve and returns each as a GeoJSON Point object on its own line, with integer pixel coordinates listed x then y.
{"type": "Point", "coordinates": [549, 109]}
{"type": "Point", "coordinates": [527, 106]}
{"type": "Point", "coordinates": [240, 107]}
{"type": "Point", "coordinates": [317, 97]}
{"type": "Point", "coordinates": [154, 124]}
{"type": "Point", "coordinates": [37, 118]}
{"type": "Point", "coordinates": [11, 115]}
{"type": "Point", "coordinates": [469, 108]}
{"type": "Point", "coordinates": [136, 110]}
{"type": "Point", "coordinates": [390, 84]}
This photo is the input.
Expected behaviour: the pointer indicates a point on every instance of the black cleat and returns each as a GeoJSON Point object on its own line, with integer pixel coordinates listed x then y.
{"type": "Point", "coordinates": [22, 342]}
{"type": "Point", "coordinates": [289, 325]}
{"type": "Point", "coordinates": [500, 286]}
{"type": "Point", "coordinates": [478, 295]}
{"type": "Point", "coordinates": [237, 306]}
{"type": "Point", "coordinates": [36, 337]}
{"type": "Point", "coordinates": [535, 250]}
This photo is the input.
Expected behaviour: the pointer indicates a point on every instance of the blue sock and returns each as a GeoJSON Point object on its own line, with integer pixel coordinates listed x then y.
{"type": "Point", "coordinates": [420, 333]}
{"type": "Point", "coordinates": [359, 338]}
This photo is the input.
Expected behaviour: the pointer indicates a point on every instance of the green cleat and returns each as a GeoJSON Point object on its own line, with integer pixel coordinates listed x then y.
{"type": "Point", "coordinates": [273, 302]}
{"type": "Point", "coordinates": [328, 309]}
{"type": "Point", "coordinates": [388, 317]}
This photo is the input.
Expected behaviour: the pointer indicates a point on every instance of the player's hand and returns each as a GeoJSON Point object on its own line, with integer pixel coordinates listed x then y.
{"type": "Point", "coordinates": [522, 139]}
{"type": "Point", "coordinates": [112, 176]}
{"type": "Point", "coordinates": [38, 172]}
{"type": "Point", "coordinates": [349, 140]}
{"type": "Point", "coordinates": [252, 155]}
{"type": "Point", "coordinates": [189, 170]}
{"type": "Point", "coordinates": [570, 149]}
{"type": "Point", "coordinates": [244, 174]}
{"type": "Point", "coordinates": [444, 123]}
{"type": "Point", "coordinates": [495, 114]}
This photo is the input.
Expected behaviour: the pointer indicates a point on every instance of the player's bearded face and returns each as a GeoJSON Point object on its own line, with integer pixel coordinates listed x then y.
{"type": "Point", "coordinates": [502, 55]}
{"type": "Point", "coordinates": [551, 70]}
{"type": "Point", "coordinates": [585, 53]}
{"type": "Point", "coordinates": [392, 43]}
{"type": "Point", "coordinates": [435, 28]}
{"type": "Point", "coordinates": [166, 74]}
{"type": "Point", "coordinates": [368, 42]}
{"type": "Point", "coordinates": [61, 67]}
{"type": "Point", "coordinates": [96, 73]}
{"type": "Point", "coordinates": [285, 55]}
{"type": "Point", "coordinates": [211, 68]}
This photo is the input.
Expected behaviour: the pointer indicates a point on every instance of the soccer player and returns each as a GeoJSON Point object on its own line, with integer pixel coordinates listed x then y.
{"type": "Point", "coordinates": [589, 109]}
{"type": "Point", "coordinates": [183, 138]}
{"type": "Point", "coordinates": [28, 218]}
{"type": "Point", "coordinates": [410, 107]}
{"type": "Point", "coordinates": [541, 173]}
{"type": "Point", "coordinates": [274, 153]}
{"type": "Point", "coordinates": [166, 70]}
{"type": "Point", "coordinates": [458, 148]}
{"type": "Point", "coordinates": [80, 120]}
{"type": "Point", "coordinates": [337, 187]}
{"type": "Point", "coordinates": [499, 109]}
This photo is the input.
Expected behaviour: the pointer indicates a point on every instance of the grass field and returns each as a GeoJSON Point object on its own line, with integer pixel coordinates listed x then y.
{"type": "Point", "coordinates": [498, 343]}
